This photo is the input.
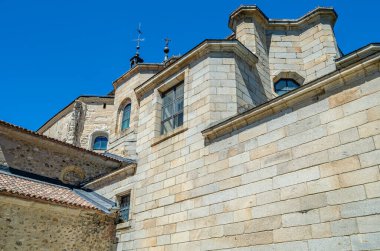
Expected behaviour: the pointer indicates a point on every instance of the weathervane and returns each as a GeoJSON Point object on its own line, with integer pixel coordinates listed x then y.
{"type": "Point", "coordinates": [136, 58]}
{"type": "Point", "coordinates": [139, 39]}
{"type": "Point", "coordinates": [166, 48]}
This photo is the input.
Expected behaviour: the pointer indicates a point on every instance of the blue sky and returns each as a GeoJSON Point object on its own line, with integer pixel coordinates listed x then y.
{"type": "Point", "coordinates": [53, 51]}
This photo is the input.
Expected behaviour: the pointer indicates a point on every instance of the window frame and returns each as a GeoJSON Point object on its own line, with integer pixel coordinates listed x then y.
{"type": "Point", "coordinates": [123, 119]}
{"type": "Point", "coordinates": [94, 142]}
{"type": "Point", "coordinates": [176, 114]}
{"type": "Point", "coordinates": [124, 217]}
{"type": "Point", "coordinates": [287, 80]}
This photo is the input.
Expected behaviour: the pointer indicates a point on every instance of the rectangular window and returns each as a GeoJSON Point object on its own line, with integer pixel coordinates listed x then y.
{"type": "Point", "coordinates": [172, 109]}
{"type": "Point", "coordinates": [125, 204]}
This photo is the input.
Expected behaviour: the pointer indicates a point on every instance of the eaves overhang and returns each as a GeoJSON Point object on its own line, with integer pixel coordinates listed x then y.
{"type": "Point", "coordinates": [253, 10]}
{"type": "Point", "coordinates": [288, 100]}
{"type": "Point", "coordinates": [204, 48]}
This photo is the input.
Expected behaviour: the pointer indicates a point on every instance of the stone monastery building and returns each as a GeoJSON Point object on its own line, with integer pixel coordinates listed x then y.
{"type": "Point", "coordinates": [266, 140]}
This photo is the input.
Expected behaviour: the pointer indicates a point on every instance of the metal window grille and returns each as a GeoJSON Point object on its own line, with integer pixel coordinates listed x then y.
{"type": "Point", "coordinates": [125, 202]}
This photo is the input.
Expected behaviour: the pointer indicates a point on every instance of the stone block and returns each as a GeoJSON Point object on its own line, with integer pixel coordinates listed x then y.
{"type": "Point", "coordinates": [313, 201]}
{"type": "Point", "coordinates": [344, 97]}
{"type": "Point", "coordinates": [346, 195]}
{"type": "Point", "coordinates": [292, 234]}
{"type": "Point", "coordinates": [347, 122]}
{"type": "Point", "coordinates": [374, 113]}
{"type": "Point", "coordinates": [268, 197]}
{"type": "Point", "coordinates": [339, 166]}
{"type": "Point", "coordinates": [369, 129]}
{"type": "Point", "coordinates": [276, 158]}
{"type": "Point", "coordinates": [369, 224]}
{"type": "Point", "coordinates": [323, 185]}
{"type": "Point", "coordinates": [296, 177]}
{"type": "Point", "coordinates": [316, 146]}
{"type": "Point", "coordinates": [239, 159]}
{"type": "Point", "coordinates": [247, 240]}
{"type": "Point", "coordinates": [310, 160]}
{"type": "Point", "coordinates": [290, 246]}
{"type": "Point", "coordinates": [370, 241]}
{"type": "Point", "coordinates": [362, 104]}
{"type": "Point", "coordinates": [370, 158]}
{"type": "Point", "coordinates": [294, 191]}
{"type": "Point", "coordinates": [329, 213]}
{"type": "Point", "coordinates": [344, 227]}
{"type": "Point", "coordinates": [271, 137]}
{"type": "Point", "coordinates": [321, 230]}
{"type": "Point", "coordinates": [331, 115]}
{"type": "Point", "coordinates": [350, 149]}
{"type": "Point", "coordinates": [302, 137]}
{"type": "Point", "coordinates": [255, 187]}
{"type": "Point", "coordinates": [263, 151]}
{"type": "Point", "coordinates": [262, 224]}
{"type": "Point", "coordinates": [360, 208]}
{"type": "Point", "coordinates": [276, 208]}
{"type": "Point", "coordinates": [358, 177]}
{"type": "Point", "coordinates": [300, 218]}
{"type": "Point", "coordinates": [349, 135]}
{"type": "Point", "coordinates": [372, 189]}
{"type": "Point", "coordinates": [282, 121]}
{"type": "Point", "coordinates": [303, 125]}
{"type": "Point", "coordinates": [335, 243]}
{"type": "Point", "coordinates": [253, 132]}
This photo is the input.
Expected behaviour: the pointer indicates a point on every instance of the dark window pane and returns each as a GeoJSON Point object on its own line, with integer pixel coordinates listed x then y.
{"type": "Point", "coordinates": [285, 85]}
{"type": "Point", "coordinates": [167, 126]}
{"type": "Point", "coordinates": [179, 106]}
{"type": "Point", "coordinates": [100, 143]}
{"type": "Point", "coordinates": [126, 117]}
{"type": "Point", "coordinates": [179, 120]}
{"type": "Point", "coordinates": [125, 202]}
{"type": "Point", "coordinates": [179, 91]}
{"type": "Point", "coordinates": [168, 97]}
{"type": "Point", "coordinates": [172, 109]}
{"type": "Point", "coordinates": [167, 111]}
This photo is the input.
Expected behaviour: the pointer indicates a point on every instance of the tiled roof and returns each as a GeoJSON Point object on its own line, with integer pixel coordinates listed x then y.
{"type": "Point", "coordinates": [16, 185]}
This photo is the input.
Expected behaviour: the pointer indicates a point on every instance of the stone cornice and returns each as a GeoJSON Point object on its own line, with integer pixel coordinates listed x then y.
{"type": "Point", "coordinates": [288, 100]}
{"type": "Point", "coordinates": [254, 11]}
{"type": "Point", "coordinates": [139, 68]}
{"type": "Point", "coordinates": [197, 52]}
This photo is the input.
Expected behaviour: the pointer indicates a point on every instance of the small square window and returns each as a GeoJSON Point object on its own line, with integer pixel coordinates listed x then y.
{"type": "Point", "coordinates": [125, 205]}
{"type": "Point", "coordinates": [172, 109]}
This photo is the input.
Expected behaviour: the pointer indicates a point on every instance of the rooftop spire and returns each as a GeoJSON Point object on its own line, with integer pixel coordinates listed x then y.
{"type": "Point", "coordinates": [136, 58]}
{"type": "Point", "coordinates": [166, 49]}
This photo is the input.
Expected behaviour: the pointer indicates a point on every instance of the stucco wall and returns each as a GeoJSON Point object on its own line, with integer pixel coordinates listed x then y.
{"type": "Point", "coordinates": [28, 225]}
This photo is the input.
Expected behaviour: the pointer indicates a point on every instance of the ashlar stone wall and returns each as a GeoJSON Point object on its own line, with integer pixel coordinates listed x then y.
{"type": "Point", "coordinates": [35, 226]}
{"type": "Point", "coordinates": [123, 142]}
{"type": "Point", "coordinates": [304, 178]}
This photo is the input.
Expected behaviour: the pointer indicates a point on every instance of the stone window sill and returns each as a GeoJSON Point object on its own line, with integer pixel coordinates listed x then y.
{"type": "Point", "coordinates": [123, 225]}
{"type": "Point", "coordinates": [161, 138]}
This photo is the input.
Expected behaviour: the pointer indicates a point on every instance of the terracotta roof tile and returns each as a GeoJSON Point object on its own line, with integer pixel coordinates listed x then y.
{"type": "Point", "coordinates": [16, 185]}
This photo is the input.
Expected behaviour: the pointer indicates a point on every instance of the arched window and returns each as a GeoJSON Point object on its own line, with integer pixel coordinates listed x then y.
{"type": "Point", "coordinates": [285, 85]}
{"type": "Point", "coordinates": [126, 117]}
{"type": "Point", "coordinates": [100, 143]}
